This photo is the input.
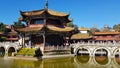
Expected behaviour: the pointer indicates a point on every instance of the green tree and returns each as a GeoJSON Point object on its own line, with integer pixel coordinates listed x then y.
{"type": "Point", "coordinates": [2, 31]}
{"type": "Point", "coordinates": [106, 28]}
{"type": "Point", "coordinates": [2, 27]}
{"type": "Point", "coordinates": [116, 27]}
{"type": "Point", "coordinates": [18, 24]}
{"type": "Point", "coordinates": [70, 24]}
{"type": "Point", "coordinates": [2, 38]}
{"type": "Point", "coordinates": [94, 29]}
{"type": "Point", "coordinates": [74, 26]}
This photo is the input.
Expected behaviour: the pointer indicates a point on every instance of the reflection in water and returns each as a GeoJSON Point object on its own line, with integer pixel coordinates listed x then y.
{"type": "Point", "coordinates": [26, 64]}
{"type": "Point", "coordinates": [101, 56]}
{"type": "Point", "coordinates": [83, 55]}
{"type": "Point", "coordinates": [83, 61]}
{"type": "Point", "coordinates": [117, 56]}
{"type": "Point", "coordinates": [117, 59]}
{"type": "Point", "coordinates": [101, 60]}
{"type": "Point", "coordinates": [2, 52]}
{"type": "Point", "coordinates": [67, 62]}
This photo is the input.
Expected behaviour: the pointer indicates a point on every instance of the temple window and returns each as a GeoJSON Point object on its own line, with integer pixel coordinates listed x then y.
{"type": "Point", "coordinates": [38, 21]}
{"type": "Point", "coordinates": [54, 22]}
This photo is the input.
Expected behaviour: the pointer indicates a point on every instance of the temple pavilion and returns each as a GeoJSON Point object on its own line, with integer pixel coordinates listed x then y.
{"type": "Point", "coordinates": [110, 36]}
{"type": "Point", "coordinates": [82, 36]}
{"type": "Point", "coordinates": [45, 29]}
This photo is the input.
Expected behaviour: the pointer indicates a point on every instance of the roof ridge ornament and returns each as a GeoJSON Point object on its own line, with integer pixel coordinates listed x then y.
{"type": "Point", "coordinates": [46, 4]}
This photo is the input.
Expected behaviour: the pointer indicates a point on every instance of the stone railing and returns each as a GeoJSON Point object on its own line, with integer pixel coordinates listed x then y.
{"type": "Point", "coordinates": [52, 48]}
{"type": "Point", "coordinates": [98, 43]}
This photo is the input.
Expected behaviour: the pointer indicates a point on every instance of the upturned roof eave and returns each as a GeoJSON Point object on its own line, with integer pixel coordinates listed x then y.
{"type": "Point", "coordinates": [39, 12]}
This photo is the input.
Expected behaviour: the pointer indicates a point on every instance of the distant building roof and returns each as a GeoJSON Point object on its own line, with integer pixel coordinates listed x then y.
{"type": "Point", "coordinates": [81, 36]}
{"type": "Point", "coordinates": [84, 28]}
{"type": "Point", "coordinates": [105, 33]}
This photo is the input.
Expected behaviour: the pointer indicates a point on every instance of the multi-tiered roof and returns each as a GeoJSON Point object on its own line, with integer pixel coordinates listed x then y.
{"type": "Point", "coordinates": [44, 14]}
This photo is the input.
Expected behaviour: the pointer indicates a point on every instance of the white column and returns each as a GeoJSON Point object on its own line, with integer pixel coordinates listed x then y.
{"type": "Point", "coordinates": [30, 43]}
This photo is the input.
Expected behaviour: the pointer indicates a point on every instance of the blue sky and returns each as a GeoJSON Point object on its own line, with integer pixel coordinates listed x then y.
{"type": "Point", "coordinates": [85, 13]}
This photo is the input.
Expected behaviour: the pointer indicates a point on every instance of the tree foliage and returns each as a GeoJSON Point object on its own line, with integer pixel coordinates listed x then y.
{"type": "Point", "coordinates": [2, 27]}
{"type": "Point", "coordinates": [72, 25]}
{"type": "Point", "coordinates": [18, 24]}
{"type": "Point", "coordinates": [106, 28]}
{"type": "Point", "coordinates": [116, 27]}
{"type": "Point", "coordinates": [94, 29]}
{"type": "Point", "coordinates": [3, 38]}
{"type": "Point", "coordinates": [2, 30]}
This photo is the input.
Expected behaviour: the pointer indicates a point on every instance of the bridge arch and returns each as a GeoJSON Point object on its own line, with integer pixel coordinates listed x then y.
{"type": "Point", "coordinates": [12, 48]}
{"type": "Point", "coordinates": [117, 50]}
{"type": "Point", "coordinates": [116, 56]}
{"type": "Point", "coordinates": [99, 59]}
{"type": "Point", "coordinates": [2, 51]}
{"type": "Point", "coordinates": [77, 49]}
{"type": "Point", "coordinates": [105, 48]}
{"type": "Point", "coordinates": [116, 62]}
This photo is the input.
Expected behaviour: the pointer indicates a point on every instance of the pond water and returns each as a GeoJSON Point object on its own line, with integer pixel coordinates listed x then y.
{"type": "Point", "coordinates": [66, 62]}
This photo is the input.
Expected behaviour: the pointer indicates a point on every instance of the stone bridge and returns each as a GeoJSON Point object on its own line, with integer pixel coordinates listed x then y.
{"type": "Point", "coordinates": [6, 47]}
{"type": "Point", "coordinates": [93, 48]}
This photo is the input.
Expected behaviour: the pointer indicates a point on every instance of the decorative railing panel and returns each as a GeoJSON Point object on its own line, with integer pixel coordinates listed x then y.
{"type": "Point", "coordinates": [56, 48]}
